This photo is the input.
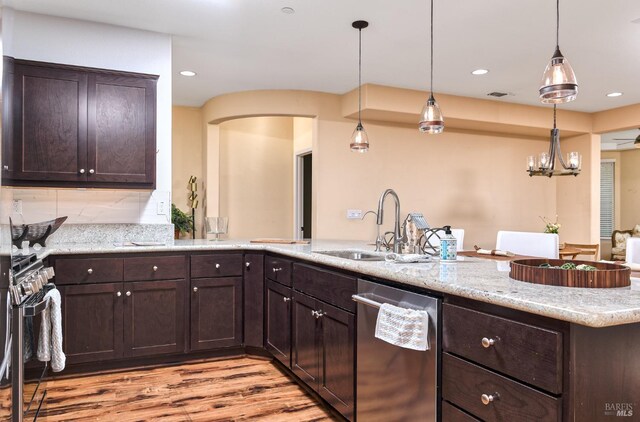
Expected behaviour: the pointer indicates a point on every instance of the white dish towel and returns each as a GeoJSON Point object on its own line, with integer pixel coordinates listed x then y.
{"type": "Point", "coordinates": [408, 328]}
{"type": "Point", "coordinates": [50, 344]}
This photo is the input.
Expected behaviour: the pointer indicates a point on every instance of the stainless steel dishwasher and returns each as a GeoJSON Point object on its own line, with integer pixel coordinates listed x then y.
{"type": "Point", "coordinates": [394, 383]}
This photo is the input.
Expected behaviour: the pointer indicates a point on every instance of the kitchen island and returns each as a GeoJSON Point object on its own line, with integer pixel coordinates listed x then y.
{"type": "Point", "coordinates": [552, 353]}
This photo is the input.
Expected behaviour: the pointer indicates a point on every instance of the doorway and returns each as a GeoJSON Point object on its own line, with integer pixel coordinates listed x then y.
{"type": "Point", "coordinates": [303, 181]}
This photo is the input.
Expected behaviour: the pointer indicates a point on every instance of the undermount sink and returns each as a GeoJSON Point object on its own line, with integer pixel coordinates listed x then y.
{"type": "Point", "coordinates": [354, 255]}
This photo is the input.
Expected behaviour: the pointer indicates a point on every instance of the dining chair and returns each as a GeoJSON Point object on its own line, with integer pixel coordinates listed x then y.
{"type": "Point", "coordinates": [459, 235]}
{"type": "Point", "coordinates": [591, 250]}
{"type": "Point", "coordinates": [633, 250]}
{"type": "Point", "coordinates": [543, 245]}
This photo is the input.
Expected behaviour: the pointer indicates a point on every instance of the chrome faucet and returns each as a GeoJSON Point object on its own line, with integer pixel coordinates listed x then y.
{"type": "Point", "coordinates": [397, 236]}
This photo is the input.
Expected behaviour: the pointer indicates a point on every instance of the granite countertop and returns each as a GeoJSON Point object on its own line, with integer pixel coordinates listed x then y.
{"type": "Point", "coordinates": [484, 280]}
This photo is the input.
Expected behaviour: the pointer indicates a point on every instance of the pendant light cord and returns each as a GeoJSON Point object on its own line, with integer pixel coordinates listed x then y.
{"type": "Point", "coordinates": [557, 23]}
{"type": "Point", "coordinates": [359, 75]}
{"type": "Point", "coordinates": [554, 116]}
{"type": "Point", "coordinates": [431, 47]}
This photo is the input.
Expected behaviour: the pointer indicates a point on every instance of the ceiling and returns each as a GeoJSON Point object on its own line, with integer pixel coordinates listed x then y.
{"type": "Point", "coordinates": [620, 141]}
{"type": "Point", "coordinates": [239, 45]}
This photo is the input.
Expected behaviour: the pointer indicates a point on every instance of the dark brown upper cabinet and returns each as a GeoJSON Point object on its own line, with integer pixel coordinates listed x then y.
{"type": "Point", "coordinates": [80, 127]}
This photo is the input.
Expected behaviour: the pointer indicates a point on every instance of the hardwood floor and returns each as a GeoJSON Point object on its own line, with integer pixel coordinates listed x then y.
{"type": "Point", "coordinates": [225, 390]}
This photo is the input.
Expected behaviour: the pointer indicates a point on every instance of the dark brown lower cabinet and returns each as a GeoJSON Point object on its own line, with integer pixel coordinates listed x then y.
{"type": "Point", "coordinates": [154, 318]}
{"type": "Point", "coordinates": [216, 312]}
{"type": "Point", "coordinates": [278, 321]}
{"type": "Point", "coordinates": [323, 350]}
{"type": "Point", "coordinates": [254, 300]}
{"type": "Point", "coordinates": [92, 321]}
{"type": "Point", "coordinates": [305, 359]}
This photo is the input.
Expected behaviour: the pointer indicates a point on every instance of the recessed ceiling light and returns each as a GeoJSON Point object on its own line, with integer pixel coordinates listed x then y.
{"type": "Point", "coordinates": [614, 94]}
{"type": "Point", "coordinates": [480, 72]}
{"type": "Point", "coordinates": [288, 10]}
{"type": "Point", "coordinates": [188, 73]}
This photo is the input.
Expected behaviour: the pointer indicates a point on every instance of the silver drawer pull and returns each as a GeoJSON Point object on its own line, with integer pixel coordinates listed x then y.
{"type": "Point", "coordinates": [487, 342]}
{"type": "Point", "coordinates": [286, 299]}
{"type": "Point", "coordinates": [488, 398]}
{"type": "Point", "coordinates": [318, 314]}
{"type": "Point", "coordinates": [91, 171]}
{"type": "Point", "coordinates": [90, 271]}
{"type": "Point", "coordinates": [248, 264]}
{"type": "Point", "coordinates": [195, 289]}
{"type": "Point", "coordinates": [81, 171]}
{"type": "Point", "coordinates": [217, 265]}
{"type": "Point", "coordinates": [155, 268]}
{"type": "Point", "coordinates": [128, 293]}
{"type": "Point", "coordinates": [119, 294]}
{"type": "Point", "coordinates": [275, 270]}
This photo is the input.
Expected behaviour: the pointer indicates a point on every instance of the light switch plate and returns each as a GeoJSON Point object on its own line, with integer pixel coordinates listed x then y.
{"type": "Point", "coordinates": [17, 206]}
{"type": "Point", "coordinates": [161, 208]}
{"type": "Point", "coordinates": [354, 214]}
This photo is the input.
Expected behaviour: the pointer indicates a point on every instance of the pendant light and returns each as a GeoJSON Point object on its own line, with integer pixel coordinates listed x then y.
{"type": "Point", "coordinates": [431, 119]}
{"type": "Point", "coordinates": [546, 162]}
{"type": "Point", "coordinates": [559, 84]}
{"type": "Point", "coordinates": [359, 138]}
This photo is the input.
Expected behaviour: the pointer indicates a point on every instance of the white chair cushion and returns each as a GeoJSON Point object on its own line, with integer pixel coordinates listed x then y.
{"type": "Point", "coordinates": [459, 235]}
{"type": "Point", "coordinates": [543, 245]}
{"type": "Point", "coordinates": [633, 250]}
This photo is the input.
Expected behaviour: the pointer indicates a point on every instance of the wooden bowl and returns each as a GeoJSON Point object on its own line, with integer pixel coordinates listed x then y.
{"type": "Point", "coordinates": [605, 276]}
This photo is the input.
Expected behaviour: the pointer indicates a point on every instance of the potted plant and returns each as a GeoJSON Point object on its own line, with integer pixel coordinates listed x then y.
{"type": "Point", "coordinates": [182, 222]}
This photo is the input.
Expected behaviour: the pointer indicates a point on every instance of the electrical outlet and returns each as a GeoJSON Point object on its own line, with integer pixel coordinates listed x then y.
{"type": "Point", "coordinates": [161, 208]}
{"type": "Point", "coordinates": [354, 214]}
{"type": "Point", "coordinates": [17, 206]}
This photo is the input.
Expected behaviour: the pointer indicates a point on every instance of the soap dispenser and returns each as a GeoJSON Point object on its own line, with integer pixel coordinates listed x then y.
{"type": "Point", "coordinates": [448, 246]}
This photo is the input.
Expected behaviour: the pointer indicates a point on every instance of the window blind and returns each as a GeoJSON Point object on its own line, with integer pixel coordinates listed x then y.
{"type": "Point", "coordinates": [607, 204]}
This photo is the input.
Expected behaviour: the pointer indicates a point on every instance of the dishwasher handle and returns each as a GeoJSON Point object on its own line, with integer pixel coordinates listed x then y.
{"type": "Point", "coordinates": [366, 301]}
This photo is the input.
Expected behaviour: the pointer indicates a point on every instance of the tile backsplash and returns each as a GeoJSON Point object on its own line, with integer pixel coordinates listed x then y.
{"type": "Point", "coordinates": [91, 206]}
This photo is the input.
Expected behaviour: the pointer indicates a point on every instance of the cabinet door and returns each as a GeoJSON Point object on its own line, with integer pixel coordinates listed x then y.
{"type": "Point", "coordinates": [154, 317]}
{"type": "Point", "coordinates": [92, 322]}
{"type": "Point", "coordinates": [278, 321]}
{"type": "Point", "coordinates": [49, 124]}
{"type": "Point", "coordinates": [121, 130]}
{"type": "Point", "coordinates": [337, 357]}
{"type": "Point", "coordinates": [216, 312]}
{"type": "Point", "coordinates": [304, 339]}
{"type": "Point", "coordinates": [254, 300]}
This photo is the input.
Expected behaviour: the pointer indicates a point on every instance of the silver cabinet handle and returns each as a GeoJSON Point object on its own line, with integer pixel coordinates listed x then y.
{"type": "Point", "coordinates": [90, 271]}
{"type": "Point", "coordinates": [195, 289]}
{"type": "Point", "coordinates": [81, 171]}
{"type": "Point", "coordinates": [119, 294]}
{"type": "Point", "coordinates": [128, 293]}
{"type": "Point", "coordinates": [275, 270]}
{"type": "Point", "coordinates": [155, 268]}
{"type": "Point", "coordinates": [488, 398]}
{"type": "Point", "coordinates": [217, 265]}
{"type": "Point", "coordinates": [318, 314]}
{"type": "Point", "coordinates": [286, 299]}
{"type": "Point", "coordinates": [247, 264]}
{"type": "Point", "coordinates": [6, 167]}
{"type": "Point", "coordinates": [91, 171]}
{"type": "Point", "coordinates": [487, 342]}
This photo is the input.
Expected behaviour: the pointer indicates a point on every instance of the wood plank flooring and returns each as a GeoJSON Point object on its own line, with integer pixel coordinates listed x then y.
{"type": "Point", "coordinates": [225, 390]}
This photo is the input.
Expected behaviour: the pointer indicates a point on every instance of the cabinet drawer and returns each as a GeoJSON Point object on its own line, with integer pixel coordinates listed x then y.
{"type": "Point", "coordinates": [331, 287]}
{"type": "Point", "coordinates": [216, 265]}
{"type": "Point", "coordinates": [278, 269]}
{"type": "Point", "coordinates": [451, 413]}
{"type": "Point", "coordinates": [88, 270]}
{"type": "Point", "coordinates": [154, 268]}
{"type": "Point", "coordinates": [526, 352]}
{"type": "Point", "coordinates": [464, 384]}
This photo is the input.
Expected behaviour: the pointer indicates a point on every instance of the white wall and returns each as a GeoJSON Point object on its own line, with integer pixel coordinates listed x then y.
{"type": "Point", "coordinates": [59, 40]}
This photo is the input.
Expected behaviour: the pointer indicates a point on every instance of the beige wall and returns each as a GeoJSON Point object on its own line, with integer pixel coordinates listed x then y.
{"type": "Point", "coordinates": [630, 189]}
{"type": "Point", "coordinates": [256, 176]}
{"type": "Point", "coordinates": [469, 178]}
{"type": "Point", "coordinates": [187, 161]}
